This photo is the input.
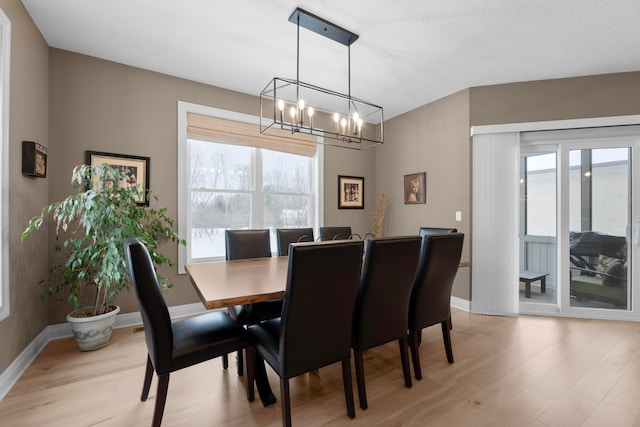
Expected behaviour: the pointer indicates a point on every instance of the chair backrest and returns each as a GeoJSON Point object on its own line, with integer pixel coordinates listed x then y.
{"type": "Point", "coordinates": [242, 244]}
{"type": "Point", "coordinates": [318, 305]}
{"type": "Point", "coordinates": [430, 231]}
{"type": "Point", "coordinates": [292, 235]}
{"type": "Point", "coordinates": [335, 233]}
{"type": "Point", "coordinates": [431, 294]}
{"type": "Point", "coordinates": [382, 304]}
{"type": "Point", "coordinates": [155, 315]}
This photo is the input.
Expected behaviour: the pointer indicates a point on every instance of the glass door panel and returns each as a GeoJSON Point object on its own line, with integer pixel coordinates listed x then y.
{"type": "Point", "coordinates": [599, 224]}
{"type": "Point", "coordinates": [538, 242]}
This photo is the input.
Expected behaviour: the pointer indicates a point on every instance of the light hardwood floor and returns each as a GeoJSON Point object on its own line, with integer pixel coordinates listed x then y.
{"type": "Point", "coordinates": [524, 371]}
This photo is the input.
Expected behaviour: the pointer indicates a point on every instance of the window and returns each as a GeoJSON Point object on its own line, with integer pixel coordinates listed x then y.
{"type": "Point", "coordinates": [230, 177]}
{"type": "Point", "coordinates": [5, 55]}
{"type": "Point", "coordinates": [540, 188]}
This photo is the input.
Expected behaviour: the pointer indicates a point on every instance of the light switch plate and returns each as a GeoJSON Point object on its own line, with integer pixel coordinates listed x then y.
{"type": "Point", "coordinates": [458, 216]}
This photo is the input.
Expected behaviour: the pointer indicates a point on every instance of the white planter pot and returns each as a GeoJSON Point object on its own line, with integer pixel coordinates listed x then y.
{"type": "Point", "coordinates": [93, 332]}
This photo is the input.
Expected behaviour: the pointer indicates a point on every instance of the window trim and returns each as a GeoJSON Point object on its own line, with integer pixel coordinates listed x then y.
{"type": "Point", "coordinates": [5, 83]}
{"type": "Point", "coordinates": [183, 155]}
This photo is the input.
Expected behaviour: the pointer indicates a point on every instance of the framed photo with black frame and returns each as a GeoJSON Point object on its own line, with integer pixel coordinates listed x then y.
{"type": "Point", "coordinates": [137, 168]}
{"type": "Point", "coordinates": [350, 192]}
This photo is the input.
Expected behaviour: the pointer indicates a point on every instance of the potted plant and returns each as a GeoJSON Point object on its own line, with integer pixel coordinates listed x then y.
{"type": "Point", "coordinates": [91, 226]}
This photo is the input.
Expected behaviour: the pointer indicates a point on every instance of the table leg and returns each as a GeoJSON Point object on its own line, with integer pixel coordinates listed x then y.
{"type": "Point", "coordinates": [262, 382]}
{"type": "Point", "coordinates": [527, 289]}
{"type": "Point", "coordinates": [543, 284]}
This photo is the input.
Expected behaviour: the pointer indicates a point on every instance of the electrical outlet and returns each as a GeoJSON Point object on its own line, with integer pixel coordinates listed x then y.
{"type": "Point", "coordinates": [458, 216]}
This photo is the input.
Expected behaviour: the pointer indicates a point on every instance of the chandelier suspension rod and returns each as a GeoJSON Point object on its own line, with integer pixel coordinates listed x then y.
{"type": "Point", "coordinates": [298, 60]}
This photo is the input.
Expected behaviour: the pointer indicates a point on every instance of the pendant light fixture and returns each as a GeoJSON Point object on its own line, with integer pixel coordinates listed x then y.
{"type": "Point", "coordinates": [301, 111]}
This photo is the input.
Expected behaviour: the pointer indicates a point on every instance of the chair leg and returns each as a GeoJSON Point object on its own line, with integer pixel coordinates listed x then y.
{"type": "Point", "coordinates": [161, 398]}
{"type": "Point", "coordinates": [404, 358]}
{"type": "Point", "coordinates": [148, 376]}
{"type": "Point", "coordinates": [348, 387]}
{"type": "Point", "coordinates": [447, 341]}
{"type": "Point", "coordinates": [415, 354]}
{"type": "Point", "coordinates": [225, 361]}
{"type": "Point", "coordinates": [285, 399]}
{"type": "Point", "coordinates": [450, 323]}
{"type": "Point", "coordinates": [362, 392]}
{"type": "Point", "coordinates": [250, 365]}
{"type": "Point", "coordinates": [240, 364]}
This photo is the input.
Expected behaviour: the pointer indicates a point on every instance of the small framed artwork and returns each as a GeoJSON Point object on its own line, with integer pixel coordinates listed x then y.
{"type": "Point", "coordinates": [350, 192]}
{"type": "Point", "coordinates": [415, 188]}
{"type": "Point", "coordinates": [137, 168]}
{"type": "Point", "coordinates": [34, 159]}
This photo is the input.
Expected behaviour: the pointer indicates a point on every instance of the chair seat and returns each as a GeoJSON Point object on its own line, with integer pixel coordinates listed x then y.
{"type": "Point", "coordinates": [267, 340]}
{"type": "Point", "coordinates": [204, 336]}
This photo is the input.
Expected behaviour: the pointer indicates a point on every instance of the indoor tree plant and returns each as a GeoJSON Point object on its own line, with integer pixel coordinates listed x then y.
{"type": "Point", "coordinates": [91, 226]}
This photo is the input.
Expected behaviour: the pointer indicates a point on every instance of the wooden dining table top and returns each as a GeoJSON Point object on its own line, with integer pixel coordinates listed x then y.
{"type": "Point", "coordinates": [222, 284]}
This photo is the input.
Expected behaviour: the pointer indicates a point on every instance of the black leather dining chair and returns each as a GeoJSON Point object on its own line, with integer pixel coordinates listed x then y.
{"type": "Point", "coordinates": [246, 244]}
{"type": "Point", "coordinates": [285, 236]}
{"type": "Point", "coordinates": [431, 231]}
{"type": "Point", "coordinates": [322, 276]}
{"type": "Point", "coordinates": [173, 346]}
{"type": "Point", "coordinates": [381, 310]}
{"type": "Point", "coordinates": [430, 301]}
{"type": "Point", "coordinates": [334, 233]}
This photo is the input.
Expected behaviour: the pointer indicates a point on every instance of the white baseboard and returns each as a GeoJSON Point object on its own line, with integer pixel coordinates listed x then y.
{"type": "Point", "coordinates": [12, 374]}
{"type": "Point", "coordinates": [461, 304]}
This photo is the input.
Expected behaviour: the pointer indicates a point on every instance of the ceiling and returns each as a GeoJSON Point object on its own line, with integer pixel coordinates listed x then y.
{"type": "Point", "coordinates": [410, 52]}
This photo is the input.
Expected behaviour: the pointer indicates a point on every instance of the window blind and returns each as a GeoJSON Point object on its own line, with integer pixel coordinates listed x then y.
{"type": "Point", "coordinates": [213, 129]}
{"type": "Point", "coordinates": [494, 248]}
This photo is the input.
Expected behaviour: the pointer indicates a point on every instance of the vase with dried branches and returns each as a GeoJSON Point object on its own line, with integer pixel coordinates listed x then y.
{"type": "Point", "coordinates": [377, 216]}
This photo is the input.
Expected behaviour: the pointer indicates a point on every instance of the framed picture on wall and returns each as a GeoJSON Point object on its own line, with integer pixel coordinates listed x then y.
{"type": "Point", "coordinates": [415, 188]}
{"type": "Point", "coordinates": [136, 168]}
{"type": "Point", "coordinates": [350, 192]}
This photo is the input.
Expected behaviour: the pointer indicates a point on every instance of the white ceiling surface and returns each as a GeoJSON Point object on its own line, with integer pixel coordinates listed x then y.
{"type": "Point", "coordinates": [410, 52]}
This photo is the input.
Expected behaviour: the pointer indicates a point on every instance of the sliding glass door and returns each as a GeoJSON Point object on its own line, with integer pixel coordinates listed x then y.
{"type": "Point", "coordinates": [580, 223]}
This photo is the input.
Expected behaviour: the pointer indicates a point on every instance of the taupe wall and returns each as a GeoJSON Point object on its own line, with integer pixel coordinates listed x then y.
{"type": "Point", "coordinates": [28, 121]}
{"type": "Point", "coordinates": [104, 106]}
{"type": "Point", "coordinates": [432, 139]}
{"type": "Point", "coordinates": [574, 98]}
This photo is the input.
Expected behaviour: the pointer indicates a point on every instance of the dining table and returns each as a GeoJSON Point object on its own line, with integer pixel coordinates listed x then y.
{"type": "Point", "coordinates": [221, 284]}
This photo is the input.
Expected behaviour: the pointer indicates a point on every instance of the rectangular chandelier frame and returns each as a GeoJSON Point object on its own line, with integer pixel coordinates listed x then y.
{"type": "Point", "coordinates": [342, 120]}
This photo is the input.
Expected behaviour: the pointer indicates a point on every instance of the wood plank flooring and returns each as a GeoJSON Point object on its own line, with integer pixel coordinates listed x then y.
{"type": "Point", "coordinates": [524, 371]}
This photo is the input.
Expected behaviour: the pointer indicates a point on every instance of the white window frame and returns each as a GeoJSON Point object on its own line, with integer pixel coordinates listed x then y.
{"type": "Point", "coordinates": [184, 157]}
{"type": "Point", "coordinates": [5, 58]}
